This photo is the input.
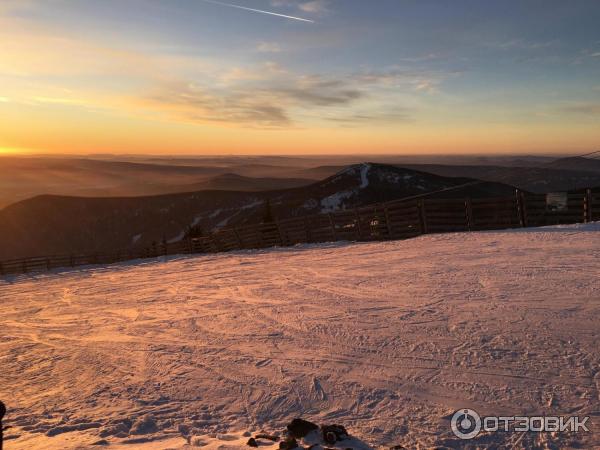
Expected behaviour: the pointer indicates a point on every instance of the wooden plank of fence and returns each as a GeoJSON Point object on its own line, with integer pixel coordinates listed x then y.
{"type": "Point", "coordinates": [469, 213]}
{"type": "Point", "coordinates": [388, 224]}
{"type": "Point", "coordinates": [332, 225]}
{"type": "Point", "coordinates": [522, 207]}
{"type": "Point", "coordinates": [307, 230]}
{"type": "Point", "coordinates": [280, 234]}
{"type": "Point", "coordinates": [587, 205]}
{"type": "Point", "coordinates": [595, 205]}
{"type": "Point", "coordinates": [358, 227]}
{"type": "Point", "coordinates": [422, 217]}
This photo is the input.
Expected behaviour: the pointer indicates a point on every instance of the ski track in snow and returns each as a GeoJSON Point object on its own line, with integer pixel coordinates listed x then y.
{"type": "Point", "coordinates": [387, 339]}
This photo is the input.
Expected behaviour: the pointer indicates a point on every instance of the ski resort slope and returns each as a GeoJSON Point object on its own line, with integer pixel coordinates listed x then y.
{"type": "Point", "coordinates": [387, 339]}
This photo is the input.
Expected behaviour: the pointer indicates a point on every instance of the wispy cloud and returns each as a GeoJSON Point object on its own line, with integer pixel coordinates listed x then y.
{"type": "Point", "coordinates": [522, 44]}
{"type": "Point", "coordinates": [187, 101]}
{"type": "Point", "coordinates": [271, 13]}
{"type": "Point", "coordinates": [383, 117]}
{"type": "Point", "coordinates": [428, 81]}
{"type": "Point", "coordinates": [271, 102]}
{"type": "Point", "coordinates": [589, 109]}
{"type": "Point", "coordinates": [190, 88]}
{"type": "Point", "coordinates": [314, 6]}
{"type": "Point", "coordinates": [268, 47]}
{"type": "Point", "coordinates": [276, 97]}
{"type": "Point", "coordinates": [318, 91]}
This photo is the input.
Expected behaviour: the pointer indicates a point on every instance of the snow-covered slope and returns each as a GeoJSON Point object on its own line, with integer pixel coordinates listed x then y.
{"type": "Point", "coordinates": [387, 339]}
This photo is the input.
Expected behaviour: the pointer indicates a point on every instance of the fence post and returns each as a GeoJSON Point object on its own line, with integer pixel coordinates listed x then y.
{"type": "Point", "coordinates": [469, 213]}
{"type": "Point", "coordinates": [238, 237]}
{"type": "Point", "coordinates": [207, 244]}
{"type": "Point", "coordinates": [281, 240]}
{"type": "Point", "coordinates": [358, 226]}
{"type": "Point", "coordinates": [521, 207]}
{"type": "Point", "coordinates": [422, 216]}
{"type": "Point", "coordinates": [217, 242]}
{"type": "Point", "coordinates": [261, 239]}
{"type": "Point", "coordinates": [24, 266]}
{"type": "Point", "coordinates": [587, 205]}
{"type": "Point", "coordinates": [332, 225]}
{"type": "Point", "coordinates": [48, 264]}
{"type": "Point", "coordinates": [307, 230]}
{"type": "Point", "coordinates": [1, 269]}
{"type": "Point", "coordinates": [387, 221]}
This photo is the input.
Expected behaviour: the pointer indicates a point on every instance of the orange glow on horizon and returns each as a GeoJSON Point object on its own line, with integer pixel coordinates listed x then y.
{"type": "Point", "coordinates": [14, 151]}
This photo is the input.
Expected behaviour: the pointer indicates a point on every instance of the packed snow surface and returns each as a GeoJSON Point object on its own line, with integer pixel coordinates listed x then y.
{"type": "Point", "coordinates": [387, 339]}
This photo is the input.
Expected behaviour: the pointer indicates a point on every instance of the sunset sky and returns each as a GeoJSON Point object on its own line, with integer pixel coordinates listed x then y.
{"type": "Point", "coordinates": [332, 76]}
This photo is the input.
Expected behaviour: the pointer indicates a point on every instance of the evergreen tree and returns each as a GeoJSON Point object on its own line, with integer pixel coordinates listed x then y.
{"type": "Point", "coordinates": [194, 231]}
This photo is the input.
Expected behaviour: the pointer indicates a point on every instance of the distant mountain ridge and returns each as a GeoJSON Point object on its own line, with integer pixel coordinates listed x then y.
{"type": "Point", "coordinates": [23, 177]}
{"type": "Point", "coordinates": [577, 163]}
{"type": "Point", "coordinates": [235, 182]}
{"type": "Point", "coordinates": [561, 175]}
{"type": "Point", "coordinates": [58, 225]}
{"type": "Point", "coordinates": [26, 177]}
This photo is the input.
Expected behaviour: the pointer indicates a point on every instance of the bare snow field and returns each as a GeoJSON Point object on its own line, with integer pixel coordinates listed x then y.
{"type": "Point", "coordinates": [387, 339]}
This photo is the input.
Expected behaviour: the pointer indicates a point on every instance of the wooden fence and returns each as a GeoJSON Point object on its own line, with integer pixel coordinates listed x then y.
{"type": "Point", "coordinates": [399, 219]}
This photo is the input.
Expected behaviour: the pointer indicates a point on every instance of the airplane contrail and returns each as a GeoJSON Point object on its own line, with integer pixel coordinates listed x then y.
{"type": "Point", "coordinates": [231, 5]}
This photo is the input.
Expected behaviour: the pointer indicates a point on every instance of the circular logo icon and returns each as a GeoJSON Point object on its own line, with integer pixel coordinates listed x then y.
{"type": "Point", "coordinates": [465, 423]}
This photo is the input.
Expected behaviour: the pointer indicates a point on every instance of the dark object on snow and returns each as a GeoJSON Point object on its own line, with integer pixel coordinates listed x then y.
{"type": "Point", "coordinates": [334, 433]}
{"type": "Point", "coordinates": [252, 443]}
{"type": "Point", "coordinates": [2, 412]}
{"type": "Point", "coordinates": [288, 444]}
{"type": "Point", "coordinates": [269, 437]}
{"type": "Point", "coordinates": [299, 428]}
{"type": "Point", "coordinates": [398, 447]}
{"type": "Point", "coordinates": [184, 429]}
{"type": "Point", "coordinates": [144, 425]}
